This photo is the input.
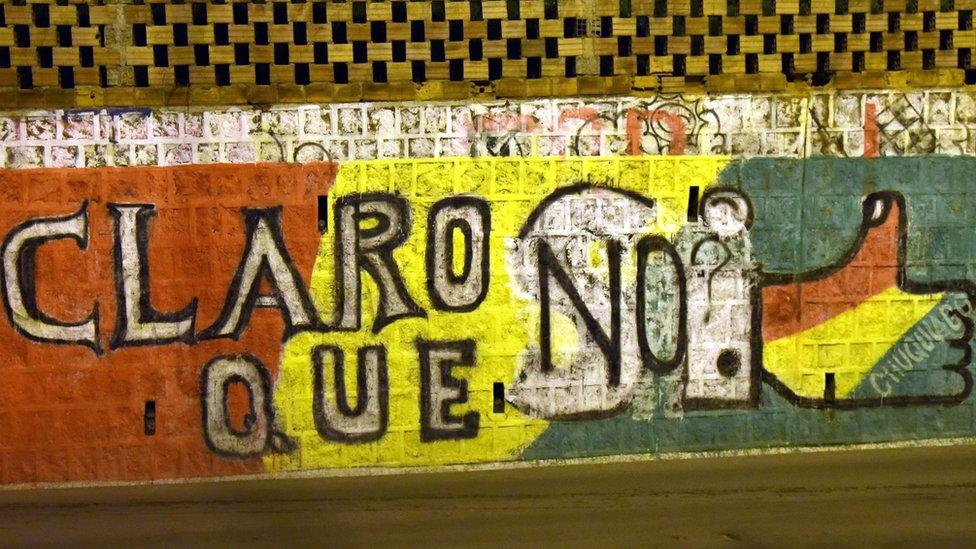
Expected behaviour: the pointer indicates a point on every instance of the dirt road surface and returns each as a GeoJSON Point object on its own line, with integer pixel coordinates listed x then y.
{"type": "Point", "coordinates": [864, 498]}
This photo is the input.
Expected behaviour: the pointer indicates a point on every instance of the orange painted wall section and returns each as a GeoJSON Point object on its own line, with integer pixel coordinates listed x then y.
{"type": "Point", "coordinates": [66, 414]}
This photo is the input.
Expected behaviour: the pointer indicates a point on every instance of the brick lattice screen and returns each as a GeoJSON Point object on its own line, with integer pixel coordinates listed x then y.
{"type": "Point", "coordinates": [116, 53]}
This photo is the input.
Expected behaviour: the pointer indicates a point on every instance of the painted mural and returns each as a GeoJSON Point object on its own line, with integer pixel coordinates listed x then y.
{"type": "Point", "coordinates": [541, 282]}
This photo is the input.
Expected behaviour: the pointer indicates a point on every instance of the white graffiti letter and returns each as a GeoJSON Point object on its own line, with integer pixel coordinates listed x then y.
{"type": "Point", "coordinates": [370, 248]}
{"type": "Point", "coordinates": [572, 257]}
{"type": "Point", "coordinates": [137, 323]}
{"type": "Point", "coordinates": [264, 257]}
{"type": "Point", "coordinates": [334, 418]}
{"type": "Point", "coordinates": [215, 381]}
{"type": "Point", "coordinates": [472, 217]}
{"type": "Point", "coordinates": [19, 268]}
{"type": "Point", "coordinates": [439, 390]}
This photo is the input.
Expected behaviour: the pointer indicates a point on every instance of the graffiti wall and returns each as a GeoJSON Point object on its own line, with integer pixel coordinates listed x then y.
{"type": "Point", "coordinates": [233, 291]}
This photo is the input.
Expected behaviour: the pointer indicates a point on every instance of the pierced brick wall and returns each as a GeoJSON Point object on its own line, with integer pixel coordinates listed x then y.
{"type": "Point", "coordinates": [154, 53]}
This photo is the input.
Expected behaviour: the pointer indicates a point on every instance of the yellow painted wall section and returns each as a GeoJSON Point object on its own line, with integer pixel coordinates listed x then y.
{"type": "Point", "coordinates": [850, 344]}
{"type": "Point", "coordinates": [502, 326]}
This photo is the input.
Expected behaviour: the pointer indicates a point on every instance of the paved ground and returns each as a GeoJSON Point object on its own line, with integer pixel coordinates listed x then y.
{"type": "Point", "coordinates": [904, 497]}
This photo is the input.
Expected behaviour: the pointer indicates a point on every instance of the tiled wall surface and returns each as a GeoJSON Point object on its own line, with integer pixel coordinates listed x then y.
{"type": "Point", "coordinates": [781, 189]}
{"type": "Point", "coordinates": [847, 124]}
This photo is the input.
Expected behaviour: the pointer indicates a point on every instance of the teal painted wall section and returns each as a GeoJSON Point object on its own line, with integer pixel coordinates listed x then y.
{"type": "Point", "coordinates": [807, 216]}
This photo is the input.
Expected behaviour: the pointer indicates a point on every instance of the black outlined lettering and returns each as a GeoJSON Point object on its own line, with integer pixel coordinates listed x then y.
{"type": "Point", "coordinates": [334, 418]}
{"type": "Point", "coordinates": [265, 256]}
{"type": "Point", "coordinates": [609, 345]}
{"type": "Point", "coordinates": [371, 249]}
{"type": "Point", "coordinates": [258, 435]}
{"type": "Point", "coordinates": [645, 247]}
{"type": "Point", "coordinates": [19, 265]}
{"type": "Point", "coordinates": [439, 390]}
{"type": "Point", "coordinates": [472, 217]}
{"type": "Point", "coordinates": [137, 322]}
